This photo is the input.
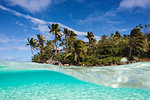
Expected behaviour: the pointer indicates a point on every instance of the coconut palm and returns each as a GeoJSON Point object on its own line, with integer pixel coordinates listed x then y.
{"type": "Point", "coordinates": [117, 35]}
{"type": "Point", "coordinates": [41, 40]}
{"type": "Point", "coordinates": [73, 36]}
{"type": "Point", "coordinates": [55, 30]}
{"type": "Point", "coordinates": [90, 37]}
{"type": "Point", "coordinates": [66, 40]}
{"type": "Point", "coordinates": [145, 29]}
{"type": "Point", "coordinates": [32, 43]}
{"type": "Point", "coordinates": [78, 51]}
{"type": "Point", "coordinates": [50, 44]}
{"type": "Point", "coordinates": [70, 36]}
{"type": "Point", "coordinates": [66, 32]}
{"type": "Point", "coordinates": [103, 38]}
{"type": "Point", "coordinates": [40, 43]}
{"type": "Point", "coordinates": [49, 49]}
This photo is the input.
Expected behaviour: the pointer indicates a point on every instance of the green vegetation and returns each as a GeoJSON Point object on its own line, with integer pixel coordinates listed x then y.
{"type": "Point", "coordinates": [107, 51]}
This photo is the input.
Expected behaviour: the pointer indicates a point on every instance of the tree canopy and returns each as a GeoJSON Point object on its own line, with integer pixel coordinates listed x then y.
{"type": "Point", "coordinates": [109, 49]}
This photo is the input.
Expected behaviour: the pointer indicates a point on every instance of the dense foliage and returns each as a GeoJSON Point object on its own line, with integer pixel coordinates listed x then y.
{"type": "Point", "coordinates": [108, 50]}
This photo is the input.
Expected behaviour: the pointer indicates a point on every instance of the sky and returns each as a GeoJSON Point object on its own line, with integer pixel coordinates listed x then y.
{"type": "Point", "coordinates": [20, 19]}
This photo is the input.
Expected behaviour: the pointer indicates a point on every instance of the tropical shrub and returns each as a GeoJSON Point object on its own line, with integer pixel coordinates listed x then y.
{"type": "Point", "coordinates": [40, 58]}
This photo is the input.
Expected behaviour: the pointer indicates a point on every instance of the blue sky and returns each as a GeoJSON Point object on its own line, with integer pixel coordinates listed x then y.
{"type": "Point", "coordinates": [20, 19]}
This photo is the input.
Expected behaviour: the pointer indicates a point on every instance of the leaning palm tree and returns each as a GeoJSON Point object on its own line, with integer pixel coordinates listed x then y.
{"type": "Point", "coordinates": [50, 44]}
{"type": "Point", "coordinates": [78, 51]}
{"type": "Point", "coordinates": [41, 42]}
{"type": "Point", "coordinates": [55, 30]}
{"type": "Point", "coordinates": [32, 43]}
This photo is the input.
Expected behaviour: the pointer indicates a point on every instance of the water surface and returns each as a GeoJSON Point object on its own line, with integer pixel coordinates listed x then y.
{"type": "Point", "coordinates": [31, 81]}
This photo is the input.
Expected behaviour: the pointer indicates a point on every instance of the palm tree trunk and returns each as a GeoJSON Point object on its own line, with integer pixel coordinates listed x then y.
{"type": "Point", "coordinates": [32, 51]}
{"type": "Point", "coordinates": [56, 50]}
{"type": "Point", "coordinates": [130, 53]}
{"type": "Point", "coordinates": [75, 62]}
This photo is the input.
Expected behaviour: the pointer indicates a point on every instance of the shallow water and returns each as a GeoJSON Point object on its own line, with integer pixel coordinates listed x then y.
{"type": "Point", "coordinates": [31, 81]}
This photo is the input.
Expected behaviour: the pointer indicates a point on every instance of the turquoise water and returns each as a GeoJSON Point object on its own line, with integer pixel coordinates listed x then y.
{"type": "Point", "coordinates": [31, 81]}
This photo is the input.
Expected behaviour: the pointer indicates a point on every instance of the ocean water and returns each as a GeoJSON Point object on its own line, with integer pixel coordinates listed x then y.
{"type": "Point", "coordinates": [32, 81]}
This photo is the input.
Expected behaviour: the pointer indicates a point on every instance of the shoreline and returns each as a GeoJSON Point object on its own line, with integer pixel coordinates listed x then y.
{"type": "Point", "coordinates": [129, 62]}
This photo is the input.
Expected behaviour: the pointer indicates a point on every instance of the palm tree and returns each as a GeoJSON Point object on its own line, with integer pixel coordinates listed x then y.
{"type": "Point", "coordinates": [137, 41]}
{"type": "Point", "coordinates": [40, 44]}
{"type": "Point", "coordinates": [145, 29]}
{"type": "Point", "coordinates": [121, 46]}
{"type": "Point", "coordinates": [78, 51]}
{"type": "Point", "coordinates": [66, 32]}
{"type": "Point", "coordinates": [32, 43]}
{"type": "Point", "coordinates": [49, 49]}
{"type": "Point", "coordinates": [103, 38]}
{"type": "Point", "coordinates": [141, 26]}
{"type": "Point", "coordinates": [55, 30]}
{"type": "Point", "coordinates": [90, 37]}
{"type": "Point", "coordinates": [66, 39]}
{"type": "Point", "coordinates": [70, 36]}
{"type": "Point", "coordinates": [112, 35]}
{"type": "Point", "coordinates": [117, 35]}
{"type": "Point", "coordinates": [41, 40]}
{"type": "Point", "coordinates": [73, 36]}
{"type": "Point", "coordinates": [50, 44]}
{"type": "Point", "coordinates": [71, 39]}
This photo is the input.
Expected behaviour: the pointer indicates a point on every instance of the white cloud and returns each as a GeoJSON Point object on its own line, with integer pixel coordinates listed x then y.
{"type": "Point", "coordinates": [20, 24]}
{"type": "Point", "coordinates": [91, 19]}
{"type": "Point", "coordinates": [42, 28]}
{"type": "Point", "coordinates": [129, 4]}
{"type": "Point", "coordinates": [64, 26]}
{"type": "Point", "coordinates": [31, 5]}
{"type": "Point", "coordinates": [6, 57]}
{"type": "Point", "coordinates": [8, 48]}
{"type": "Point", "coordinates": [15, 43]}
{"type": "Point", "coordinates": [10, 57]}
{"type": "Point", "coordinates": [105, 17]}
{"type": "Point", "coordinates": [124, 30]}
{"type": "Point", "coordinates": [5, 39]}
{"type": "Point", "coordinates": [22, 48]}
{"type": "Point", "coordinates": [3, 48]}
{"type": "Point", "coordinates": [97, 37]}
{"type": "Point", "coordinates": [41, 24]}
{"type": "Point", "coordinates": [37, 5]}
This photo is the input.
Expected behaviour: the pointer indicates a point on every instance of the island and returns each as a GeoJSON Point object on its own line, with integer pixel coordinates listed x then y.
{"type": "Point", "coordinates": [66, 49]}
